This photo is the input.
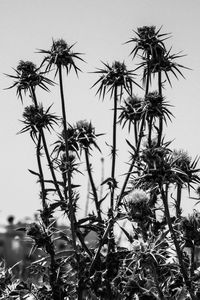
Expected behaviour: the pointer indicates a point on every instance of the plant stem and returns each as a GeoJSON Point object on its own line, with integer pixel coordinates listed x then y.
{"type": "Point", "coordinates": [114, 148]}
{"type": "Point", "coordinates": [178, 250]}
{"type": "Point", "coordinates": [136, 132]}
{"type": "Point", "coordinates": [178, 200]}
{"type": "Point", "coordinates": [41, 132]}
{"type": "Point", "coordinates": [139, 139]}
{"type": "Point", "coordinates": [94, 190]}
{"type": "Point", "coordinates": [51, 165]}
{"type": "Point", "coordinates": [161, 117]}
{"type": "Point", "coordinates": [71, 208]}
{"type": "Point", "coordinates": [56, 286]}
{"type": "Point", "coordinates": [43, 192]}
{"type": "Point", "coordinates": [132, 163]}
{"type": "Point", "coordinates": [150, 130]}
{"type": "Point", "coordinates": [102, 179]}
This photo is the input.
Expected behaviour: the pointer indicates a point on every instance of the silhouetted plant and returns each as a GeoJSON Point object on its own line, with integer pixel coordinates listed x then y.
{"type": "Point", "coordinates": [154, 257]}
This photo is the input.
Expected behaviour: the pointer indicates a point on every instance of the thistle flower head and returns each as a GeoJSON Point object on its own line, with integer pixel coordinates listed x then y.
{"type": "Point", "coordinates": [68, 166]}
{"type": "Point", "coordinates": [149, 41]}
{"type": "Point", "coordinates": [61, 55]}
{"type": "Point", "coordinates": [154, 106]}
{"type": "Point", "coordinates": [185, 167]}
{"type": "Point", "coordinates": [191, 227]}
{"type": "Point", "coordinates": [29, 76]}
{"type": "Point", "coordinates": [182, 159]}
{"type": "Point", "coordinates": [165, 63]}
{"type": "Point", "coordinates": [115, 76]}
{"type": "Point", "coordinates": [131, 111]}
{"type": "Point", "coordinates": [136, 204]}
{"type": "Point", "coordinates": [71, 136]}
{"type": "Point", "coordinates": [86, 135]}
{"type": "Point", "coordinates": [36, 118]}
{"type": "Point", "coordinates": [156, 166]}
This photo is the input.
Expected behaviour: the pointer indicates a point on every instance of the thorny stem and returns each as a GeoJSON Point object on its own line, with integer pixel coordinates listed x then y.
{"type": "Point", "coordinates": [136, 132]}
{"type": "Point", "coordinates": [148, 77]}
{"type": "Point", "coordinates": [33, 95]}
{"type": "Point", "coordinates": [87, 198]}
{"type": "Point", "coordinates": [94, 190]}
{"type": "Point", "coordinates": [43, 192]}
{"type": "Point", "coordinates": [51, 165]}
{"type": "Point", "coordinates": [150, 130]}
{"type": "Point", "coordinates": [109, 226]}
{"type": "Point", "coordinates": [71, 208]}
{"type": "Point", "coordinates": [177, 246]}
{"type": "Point", "coordinates": [132, 163]}
{"type": "Point", "coordinates": [161, 117]}
{"type": "Point", "coordinates": [138, 142]}
{"type": "Point", "coordinates": [102, 179]}
{"type": "Point", "coordinates": [178, 200]}
{"type": "Point", "coordinates": [114, 148]}
{"type": "Point", "coordinates": [57, 292]}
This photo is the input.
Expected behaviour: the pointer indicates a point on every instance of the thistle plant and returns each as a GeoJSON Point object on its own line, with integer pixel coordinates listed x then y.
{"type": "Point", "coordinates": [154, 254]}
{"type": "Point", "coordinates": [114, 79]}
{"type": "Point", "coordinates": [61, 56]}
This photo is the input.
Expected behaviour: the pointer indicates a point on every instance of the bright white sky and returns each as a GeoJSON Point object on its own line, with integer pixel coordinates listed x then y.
{"type": "Point", "coordinates": [100, 28]}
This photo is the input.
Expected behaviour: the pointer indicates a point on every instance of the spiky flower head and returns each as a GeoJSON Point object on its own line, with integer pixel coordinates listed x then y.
{"type": "Point", "coordinates": [185, 167]}
{"type": "Point", "coordinates": [29, 76]}
{"type": "Point", "coordinates": [36, 118]}
{"type": "Point", "coordinates": [155, 166]}
{"type": "Point", "coordinates": [137, 204]}
{"type": "Point", "coordinates": [73, 144]}
{"type": "Point", "coordinates": [160, 165]}
{"type": "Point", "coordinates": [191, 227]}
{"type": "Point", "coordinates": [154, 105]}
{"type": "Point", "coordinates": [182, 159]}
{"type": "Point", "coordinates": [115, 76]}
{"type": "Point", "coordinates": [61, 55]}
{"type": "Point", "coordinates": [149, 41]}
{"type": "Point", "coordinates": [67, 166]}
{"type": "Point", "coordinates": [131, 111]}
{"type": "Point", "coordinates": [86, 135]}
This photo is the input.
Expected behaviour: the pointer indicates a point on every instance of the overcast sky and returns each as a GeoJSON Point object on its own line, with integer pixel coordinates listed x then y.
{"type": "Point", "coordinates": [100, 29]}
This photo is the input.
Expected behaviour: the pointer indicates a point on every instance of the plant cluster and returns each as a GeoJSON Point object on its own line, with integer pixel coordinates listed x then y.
{"type": "Point", "coordinates": [159, 261]}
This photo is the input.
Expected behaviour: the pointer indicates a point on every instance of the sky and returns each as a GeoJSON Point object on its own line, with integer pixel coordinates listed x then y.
{"type": "Point", "coordinates": [99, 29]}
